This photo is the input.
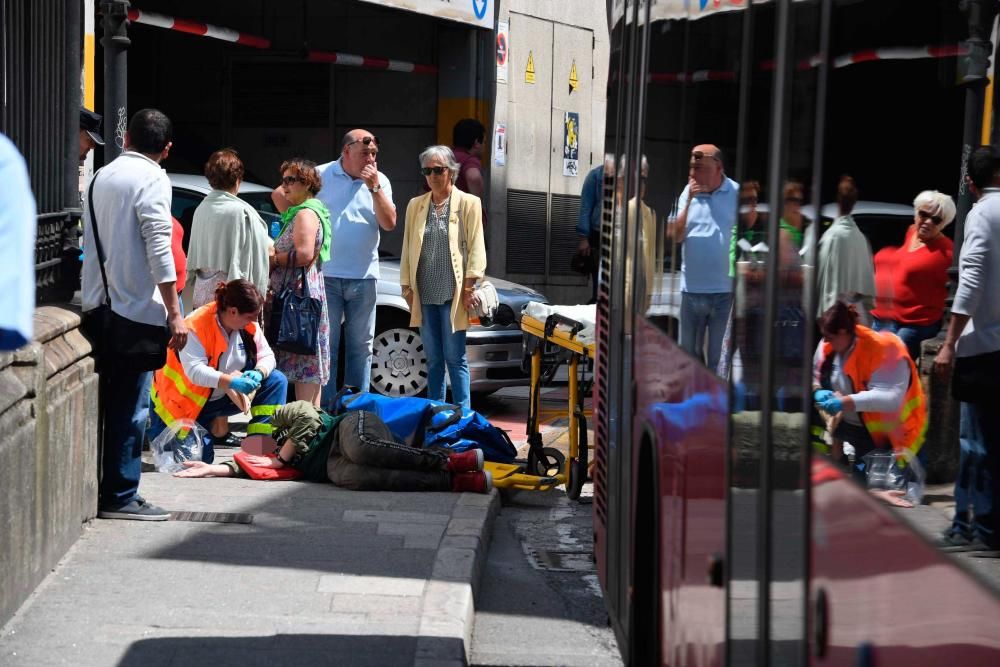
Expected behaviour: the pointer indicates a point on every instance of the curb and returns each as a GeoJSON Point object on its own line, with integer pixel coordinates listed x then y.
{"type": "Point", "coordinates": [448, 610]}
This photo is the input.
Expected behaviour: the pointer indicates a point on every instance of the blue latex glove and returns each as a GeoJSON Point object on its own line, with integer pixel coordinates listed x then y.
{"type": "Point", "coordinates": [243, 384]}
{"type": "Point", "coordinates": [833, 405]}
{"type": "Point", "coordinates": [822, 395]}
{"type": "Point", "coordinates": [254, 375]}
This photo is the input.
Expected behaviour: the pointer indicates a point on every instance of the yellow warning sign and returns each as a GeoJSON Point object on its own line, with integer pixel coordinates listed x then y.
{"type": "Point", "coordinates": [529, 71]}
{"type": "Point", "coordinates": [574, 81]}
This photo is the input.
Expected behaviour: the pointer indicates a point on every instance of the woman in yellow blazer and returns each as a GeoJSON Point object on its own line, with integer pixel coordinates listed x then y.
{"type": "Point", "coordinates": [443, 257]}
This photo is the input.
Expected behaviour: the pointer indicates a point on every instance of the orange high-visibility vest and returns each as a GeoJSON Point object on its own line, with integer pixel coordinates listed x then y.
{"type": "Point", "coordinates": [906, 429]}
{"type": "Point", "coordinates": [173, 395]}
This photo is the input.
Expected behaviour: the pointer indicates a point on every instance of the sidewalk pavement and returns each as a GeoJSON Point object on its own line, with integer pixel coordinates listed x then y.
{"type": "Point", "coordinates": [318, 576]}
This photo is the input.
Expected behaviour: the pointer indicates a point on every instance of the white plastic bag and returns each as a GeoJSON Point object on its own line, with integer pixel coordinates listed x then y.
{"type": "Point", "coordinates": [883, 471]}
{"type": "Point", "coordinates": [180, 442]}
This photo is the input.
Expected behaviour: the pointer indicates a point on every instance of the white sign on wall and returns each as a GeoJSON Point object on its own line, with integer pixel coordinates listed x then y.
{"type": "Point", "coordinates": [503, 50]}
{"type": "Point", "coordinates": [476, 12]}
{"type": "Point", "coordinates": [500, 145]}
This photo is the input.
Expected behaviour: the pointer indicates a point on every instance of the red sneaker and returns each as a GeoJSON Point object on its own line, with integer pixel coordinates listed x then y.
{"type": "Point", "coordinates": [467, 461]}
{"type": "Point", "coordinates": [472, 482]}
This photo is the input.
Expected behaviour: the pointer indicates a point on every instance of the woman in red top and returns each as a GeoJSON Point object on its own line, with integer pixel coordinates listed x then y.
{"type": "Point", "coordinates": [911, 281]}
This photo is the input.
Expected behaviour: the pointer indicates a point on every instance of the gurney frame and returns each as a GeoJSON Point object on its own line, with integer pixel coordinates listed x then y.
{"type": "Point", "coordinates": [547, 467]}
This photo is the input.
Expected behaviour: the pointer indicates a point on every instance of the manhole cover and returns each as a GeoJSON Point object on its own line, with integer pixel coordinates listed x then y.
{"type": "Point", "coordinates": [212, 517]}
{"type": "Point", "coordinates": [564, 561]}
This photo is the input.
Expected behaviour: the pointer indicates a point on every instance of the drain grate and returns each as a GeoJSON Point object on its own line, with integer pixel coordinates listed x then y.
{"type": "Point", "coordinates": [564, 561]}
{"type": "Point", "coordinates": [212, 517]}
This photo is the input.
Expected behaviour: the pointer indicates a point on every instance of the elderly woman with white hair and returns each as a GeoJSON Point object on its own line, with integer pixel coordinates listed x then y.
{"type": "Point", "coordinates": [443, 256]}
{"type": "Point", "coordinates": [911, 282]}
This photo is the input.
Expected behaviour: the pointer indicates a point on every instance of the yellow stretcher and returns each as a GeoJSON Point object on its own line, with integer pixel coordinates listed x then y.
{"type": "Point", "coordinates": [547, 467]}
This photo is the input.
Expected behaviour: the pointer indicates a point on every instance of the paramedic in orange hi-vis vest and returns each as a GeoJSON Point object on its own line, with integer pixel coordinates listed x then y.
{"type": "Point", "coordinates": [869, 378]}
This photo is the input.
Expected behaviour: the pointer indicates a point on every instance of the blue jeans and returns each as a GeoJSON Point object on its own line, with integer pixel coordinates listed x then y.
{"type": "Point", "coordinates": [911, 335]}
{"type": "Point", "coordinates": [125, 401]}
{"type": "Point", "coordinates": [701, 313]}
{"type": "Point", "coordinates": [978, 481]}
{"type": "Point", "coordinates": [352, 301]}
{"type": "Point", "coordinates": [444, 348]}
{"type": "Point", "coordinates": [269, 397]}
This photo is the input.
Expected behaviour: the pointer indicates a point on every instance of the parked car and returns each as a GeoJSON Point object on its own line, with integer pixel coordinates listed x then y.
{"type": "Point", "coordinates": [884, 224]}
{"type": "Point", "coordinates": [399, 364]}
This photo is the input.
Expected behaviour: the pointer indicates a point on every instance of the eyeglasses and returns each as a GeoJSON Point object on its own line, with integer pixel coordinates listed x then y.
{"type": "Point", "coordinates": [698, 155]}
{"type": "Point", "coordinates": [288, 180]}
{"type": "Point", "coordinates": [426, 171]}
{"type": "Point", "coordinates": [924, 215]}
{"type": "Point", "coordinates": [366, 141]}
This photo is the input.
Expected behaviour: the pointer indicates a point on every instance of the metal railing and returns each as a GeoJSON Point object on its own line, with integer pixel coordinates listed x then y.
{"type": "Point", "coordinates": [40, 45]}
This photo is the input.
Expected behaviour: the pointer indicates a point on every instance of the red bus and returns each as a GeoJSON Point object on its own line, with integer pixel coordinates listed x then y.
{"type": "Point", "coordinates": [721, 537]}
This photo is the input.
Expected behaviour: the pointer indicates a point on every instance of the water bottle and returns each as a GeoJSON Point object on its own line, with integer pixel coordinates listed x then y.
{"type": "Point", "coordinates": [275, 228]}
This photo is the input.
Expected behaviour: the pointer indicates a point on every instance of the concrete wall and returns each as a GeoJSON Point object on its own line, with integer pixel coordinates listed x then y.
{"type": "Point", "coordinates": [48, 446]}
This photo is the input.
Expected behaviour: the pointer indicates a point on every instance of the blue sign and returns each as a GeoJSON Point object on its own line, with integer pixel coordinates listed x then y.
{"type": "Point", "coordinates": [480, 11]}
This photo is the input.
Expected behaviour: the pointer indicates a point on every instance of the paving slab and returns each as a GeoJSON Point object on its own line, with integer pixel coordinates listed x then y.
{"type": "Point", "coordinates": [320, 576]}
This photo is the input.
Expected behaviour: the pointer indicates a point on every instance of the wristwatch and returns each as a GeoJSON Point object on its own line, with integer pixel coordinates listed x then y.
{"type": "Point", "coordinates": [375, 189]}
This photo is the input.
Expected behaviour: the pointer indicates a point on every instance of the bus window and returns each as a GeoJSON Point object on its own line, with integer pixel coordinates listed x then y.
{"type": "Point", "coordinates": [689, 196]}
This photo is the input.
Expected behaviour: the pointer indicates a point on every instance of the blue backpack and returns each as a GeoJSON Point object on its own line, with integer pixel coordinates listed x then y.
{"type": "Point", "coordinates": [420, 422]}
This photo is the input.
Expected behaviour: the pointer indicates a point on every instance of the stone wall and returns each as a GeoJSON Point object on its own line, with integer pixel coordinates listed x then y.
{"type": "Point", "coordinates": [942, 427]}
{"type": "Point", "coordinates": [48, 450]}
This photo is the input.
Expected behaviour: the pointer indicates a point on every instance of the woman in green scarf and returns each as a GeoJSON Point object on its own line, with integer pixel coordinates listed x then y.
{"type": "Point", "coordinates": [304, 241]}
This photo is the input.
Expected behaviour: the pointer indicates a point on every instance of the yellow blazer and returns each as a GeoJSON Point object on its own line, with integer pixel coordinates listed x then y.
{"type": "Point", "coordinates": [465, 209]}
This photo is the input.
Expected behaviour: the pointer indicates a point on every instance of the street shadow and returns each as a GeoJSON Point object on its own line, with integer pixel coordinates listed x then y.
{"type": "Point", "coordinates": [302, 650]}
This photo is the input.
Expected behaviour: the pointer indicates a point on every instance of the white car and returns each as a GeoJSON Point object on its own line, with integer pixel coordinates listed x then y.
{"type": "Point", "coordinates": [399, 365]}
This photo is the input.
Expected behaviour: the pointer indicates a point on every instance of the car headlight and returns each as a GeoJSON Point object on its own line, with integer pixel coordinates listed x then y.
{"type": "Point", "coordinates": [504, 316]}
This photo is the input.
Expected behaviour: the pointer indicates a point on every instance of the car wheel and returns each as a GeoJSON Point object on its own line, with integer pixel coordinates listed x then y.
{"type": "Point", "coordinates": [399, 363]}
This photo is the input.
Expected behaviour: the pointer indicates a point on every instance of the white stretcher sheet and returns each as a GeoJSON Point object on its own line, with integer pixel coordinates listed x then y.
{"type": "Point", "coordinates": [584, 314]}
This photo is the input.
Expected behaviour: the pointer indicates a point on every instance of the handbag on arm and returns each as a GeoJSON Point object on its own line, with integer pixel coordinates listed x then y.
{"type": "Point", "coordinates": [118, 342]}
{"type": "Point", "coordinates": [487, 299]}
{"type": "Point", "coordinates": [294, 322]}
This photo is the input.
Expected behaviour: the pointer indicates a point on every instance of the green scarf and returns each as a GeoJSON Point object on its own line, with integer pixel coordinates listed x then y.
{"type": "Point", "coordinates": [796, 233]}
{"type": "Point", "coordinates": [317, 207]}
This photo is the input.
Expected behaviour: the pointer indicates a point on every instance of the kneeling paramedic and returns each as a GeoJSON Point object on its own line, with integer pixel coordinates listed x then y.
{"type": "Point", "coordinates": [226, 359]}
{"type": "Point", "coordinates": [356, 451]}
{"type": "Point", "coordinates": [869, 377]}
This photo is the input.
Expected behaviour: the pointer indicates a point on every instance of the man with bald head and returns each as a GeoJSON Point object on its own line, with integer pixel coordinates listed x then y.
{"type": "Point", "coordinates": [704, 220]}
{"type": "Point", "coordinates": [359, 197]}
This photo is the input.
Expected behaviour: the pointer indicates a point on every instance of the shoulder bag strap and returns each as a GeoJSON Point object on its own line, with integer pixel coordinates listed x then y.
{"type": "Point", "coordinates": [97, 238]}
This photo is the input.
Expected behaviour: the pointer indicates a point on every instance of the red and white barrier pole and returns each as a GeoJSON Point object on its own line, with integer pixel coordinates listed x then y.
{"type": "Point", "coordinates": [200, 29]}
{"type": "Point", "coordinates": [229, 35]}
{"type": "Point", "coordinates": [369, 62]}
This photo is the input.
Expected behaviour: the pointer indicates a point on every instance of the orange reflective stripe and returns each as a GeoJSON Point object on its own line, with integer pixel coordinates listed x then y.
{"type": "Point", "coordinates": [181, 383]}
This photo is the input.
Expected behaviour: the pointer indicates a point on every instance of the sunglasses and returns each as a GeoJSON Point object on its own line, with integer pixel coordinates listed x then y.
{"type": "Point", "coordinates": [366, 141]}
{"type": "Point", "coordinates": [288, 180]}
{"type": "Point", "coordinates": [698, 155]}
{"type": "Point", "coordinates": [924, 215]}
{"type": "Point", "coordinates": [794, 200]}
{"type": "Point", "coordinates": [427, 171]}
{"type": "Point", "coordinates": [748, 201]}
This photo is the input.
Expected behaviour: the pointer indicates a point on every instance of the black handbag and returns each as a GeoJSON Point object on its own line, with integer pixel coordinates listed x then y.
{"type": "Point", "coordinates": [294, 322]}
{"type": "Point", "coordinates": [975, 379]}
{"type": "Point", "coordinates": [118, 342]}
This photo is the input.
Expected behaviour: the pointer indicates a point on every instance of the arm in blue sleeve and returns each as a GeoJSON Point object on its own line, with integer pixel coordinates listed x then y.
{"type": "Point", "coordinates": [588, 200]}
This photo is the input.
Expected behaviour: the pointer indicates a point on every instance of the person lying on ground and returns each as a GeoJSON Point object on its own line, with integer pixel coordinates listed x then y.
{"type": "Point", "coordinates": [355, 451]}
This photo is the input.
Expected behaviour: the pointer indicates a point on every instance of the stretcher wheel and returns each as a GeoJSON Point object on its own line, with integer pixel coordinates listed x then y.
{"type": "Point", "coordinates": [578, 468]}
{"type": "Point", "coordinates": [548, 464]}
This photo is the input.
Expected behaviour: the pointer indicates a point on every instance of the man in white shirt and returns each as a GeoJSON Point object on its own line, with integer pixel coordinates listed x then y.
{"type": "Point", "coordinates": [975, 331]}
{"type": "Point", "coordinates": [131, 201]}
{"type": "Point", "coordinates": [359, 198]}
{"type": "Point", "coordinates": [17, 249]}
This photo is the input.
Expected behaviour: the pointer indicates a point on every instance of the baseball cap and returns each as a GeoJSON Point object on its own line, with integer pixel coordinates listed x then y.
{"type": "Point", "coordinates": [91, 123]}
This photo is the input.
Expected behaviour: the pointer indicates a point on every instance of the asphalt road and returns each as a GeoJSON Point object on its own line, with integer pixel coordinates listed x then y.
{"type": "Point", "coordinates": [540, 602]}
